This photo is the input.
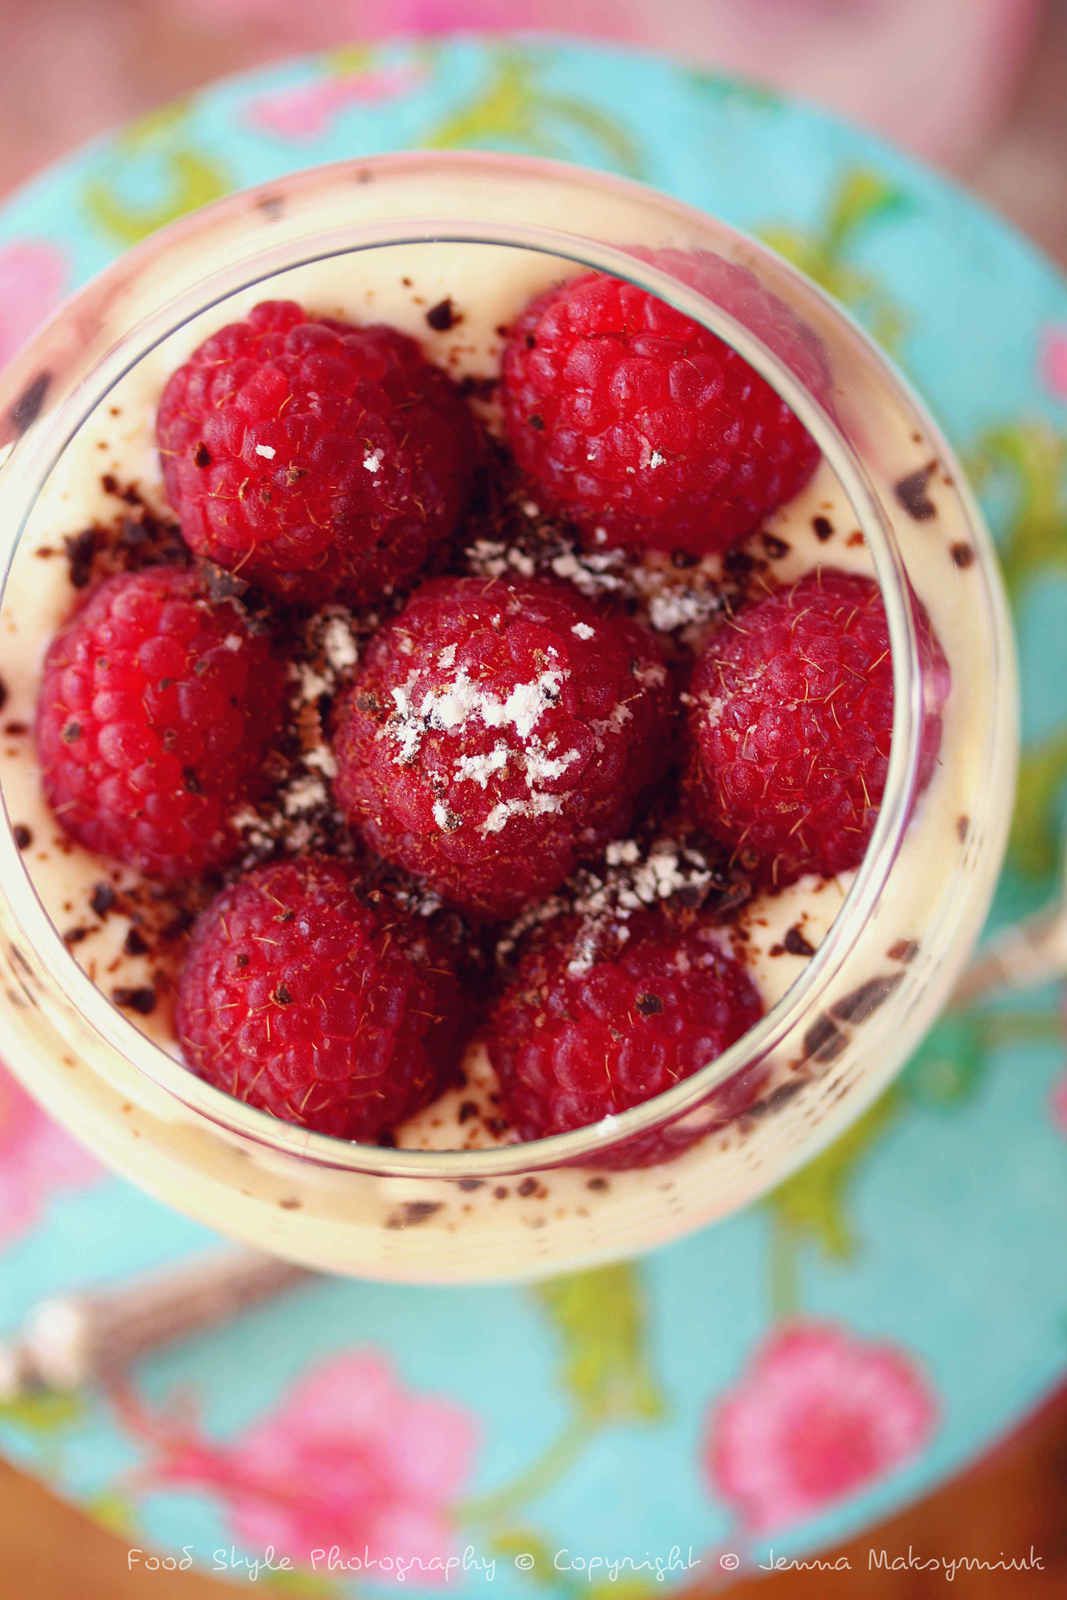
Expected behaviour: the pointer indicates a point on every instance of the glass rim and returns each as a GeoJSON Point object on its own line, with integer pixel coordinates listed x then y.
{"type": "Point", "coordinates": [46, 442]}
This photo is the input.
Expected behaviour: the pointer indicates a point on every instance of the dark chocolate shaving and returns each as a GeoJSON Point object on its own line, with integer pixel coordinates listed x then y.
{"type": "Point", "coordinates": [865, 1000]}
{"type": "Point", "coordinates": [413, 1212]}
{"type": "Point", "coordinates": [443, 315]}
{"type": "Point", "coordinates": [141, 999]}
{"type": "Point", "coordinates": [911, 491]}
{"type": "Point", "coordinates": [824, 1040]}
{"type": "Point", "coordinates": [28, 406]}
{"type": "Point", "coordinates": [796, 944]}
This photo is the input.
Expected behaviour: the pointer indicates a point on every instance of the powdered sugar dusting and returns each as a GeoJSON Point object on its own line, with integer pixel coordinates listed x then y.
{"type": "Point", "coordinates": [480, 768]}
{"type": "Point", "coordinates": [453, 708]}
{"type": "Point", "coordinates": [537, 805]}
{"type": "Point", "coordinates": [449, 709]}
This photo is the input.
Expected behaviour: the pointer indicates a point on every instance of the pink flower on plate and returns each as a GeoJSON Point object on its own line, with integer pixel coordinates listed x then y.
{"type": "Point", "coordinates": [1054, 362]}
{"type": "Point", "coordinates": [351, 1458]}
{"type": "Point", "coordinates": [818, 1414]}
{"type": "Point", "coordinates": [33, 276]}
{"type": "Point", "coordinates": [36, 1159]}
{"type": "Point", "coordinates": [307, 112]}
{"type": "Point", "coordinates": [1058, 1104]}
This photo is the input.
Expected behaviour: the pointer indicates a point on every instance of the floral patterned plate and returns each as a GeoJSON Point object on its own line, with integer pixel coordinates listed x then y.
{"type": "Point", "coordinates": [801, 1369]}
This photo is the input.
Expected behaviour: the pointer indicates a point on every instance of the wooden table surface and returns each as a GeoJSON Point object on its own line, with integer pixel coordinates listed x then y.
{"type": "Point", "coordinates": [1014, 1500]}
{"type": "Point", "coordinates": [1018, 1496]}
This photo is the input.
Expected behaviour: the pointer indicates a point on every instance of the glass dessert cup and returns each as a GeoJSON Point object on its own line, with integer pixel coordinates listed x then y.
{"type": "Point", "coordinates": [484, 233]}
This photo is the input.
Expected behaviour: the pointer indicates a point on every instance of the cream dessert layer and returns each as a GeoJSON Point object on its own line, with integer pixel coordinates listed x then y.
{"type": "Point", "coordinates": [456, 300]}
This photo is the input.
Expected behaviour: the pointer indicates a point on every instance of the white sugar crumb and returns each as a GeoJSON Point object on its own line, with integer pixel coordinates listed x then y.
{"type": "Point", "coordinates": [590, 573]}
{"type": "Point", "coordinates": [656, 460]}
{"type": "Point", "coordinates": [650, 674]}
{"type": "Point", "coordinates": [447, 658]}
{"type": "Point", "coordinates": [712, 707]}
{"type": "Point", "coordinates": [339, 641]}
{"type": "Point", "coordinates": [448, 709]}
{"type": "Point", "coordinates": [527, 701]}
{"type": "Point", "coordinates": [372, 460]}
{"type": "Point", "coordinates": [332, 650]}
{"type": "Point", "coordinates": [582, 630]}
{"type": "Point", "coordinates": [622, 853]}
{"type": "Point", "coordinates": [492, 558]}
{"type": "Point", "coordinates": [232, 641]}
{"type": "Point", "coordinates": [668, 869]}
{"type": "Point", "coordinates": [620, 716]}
{"type": "Point", "coordinates": [671, 609]}
{"type": "Point", "coordinates": [480, 768]}
{"type": "Point", "coordinates": [404, 726]}
{"type": "Point", "coordinates": [542, 767]}
{"type": "Point", "coordinates": [267, 451]}
{"type": "Point", "coordinates": [632, 879]}
{"type": "Point", "coordinates": [665, 871]}
{"type": "Point", "coordinates": [311, 684]}
{"type": "Point", "coordinates": [301, 816]}
{"type": "Point", "coordinates": [320, 758]}
{"type": "Point", "coordinates": [306, 793]}
{"type": "Point", "coordinates": [445, 819]}
{"type": "Point", "coordinates": [673, 593]}
{"type": "Point", "coordinates": [537, 805]}
{"type": "Point", "coordinates": [252, 828]}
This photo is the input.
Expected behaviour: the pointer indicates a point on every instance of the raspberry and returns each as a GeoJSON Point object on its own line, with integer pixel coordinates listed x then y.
{"type": "Point", "coordinates": [585, 1031]}
{"type": "Point", "coordinates": [322, 460]}
{"type": "Point", "coordinates": [157, 707]}
{"type": "Point", "coordinates": [791, 722]}
{"type": "Point", "coordinates": [499, 732]}
{"type": "Point", "coordinates": [304, 998]}
{"type": "Point", "coordinates": [630, 418]}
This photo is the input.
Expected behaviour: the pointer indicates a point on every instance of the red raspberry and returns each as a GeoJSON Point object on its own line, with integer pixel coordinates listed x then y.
{"type": "Point", "coordinates": [497, 733]}
{"type": "Point", "coordinates": [323, 461]}
{"type": "Point", "coordinates": [586, 1030]}
{"type": "Point", "coordinates": [629, 417]}
{"type": "Point", "coordinates": [303, 998]}
{"type": "Point", "coordinates": [791, 722]}
{"type": "Point", "coordinates": [157, 707]}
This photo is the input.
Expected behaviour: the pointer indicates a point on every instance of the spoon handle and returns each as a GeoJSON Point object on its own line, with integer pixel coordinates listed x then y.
{"type": "Point", "coordinates": [77, 1338]}
{"type": "Point", "coordinates": [1029, 953]}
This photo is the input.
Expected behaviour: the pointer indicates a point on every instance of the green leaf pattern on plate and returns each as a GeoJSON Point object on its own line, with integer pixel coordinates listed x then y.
{"type": "Point", "coordinates": [514, 111]}
{"type": "Point", "coordinates": [157, 147]}
{"type": "Point", "coordinates": [600, 1319]}
{"type": "Point", "coordinates": [861, 199]}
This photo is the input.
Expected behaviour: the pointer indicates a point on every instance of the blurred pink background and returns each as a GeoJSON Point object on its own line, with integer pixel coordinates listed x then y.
{"type": "Point", "coordinates": [977, 86]}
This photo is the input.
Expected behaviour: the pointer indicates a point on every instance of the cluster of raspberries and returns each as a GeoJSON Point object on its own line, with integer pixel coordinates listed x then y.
{"type": "Point", "coordinates": [496, 737]}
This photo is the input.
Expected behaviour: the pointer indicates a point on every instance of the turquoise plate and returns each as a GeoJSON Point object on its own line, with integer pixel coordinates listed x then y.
{"type": "Point", "coordinates": [801, 1370]}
